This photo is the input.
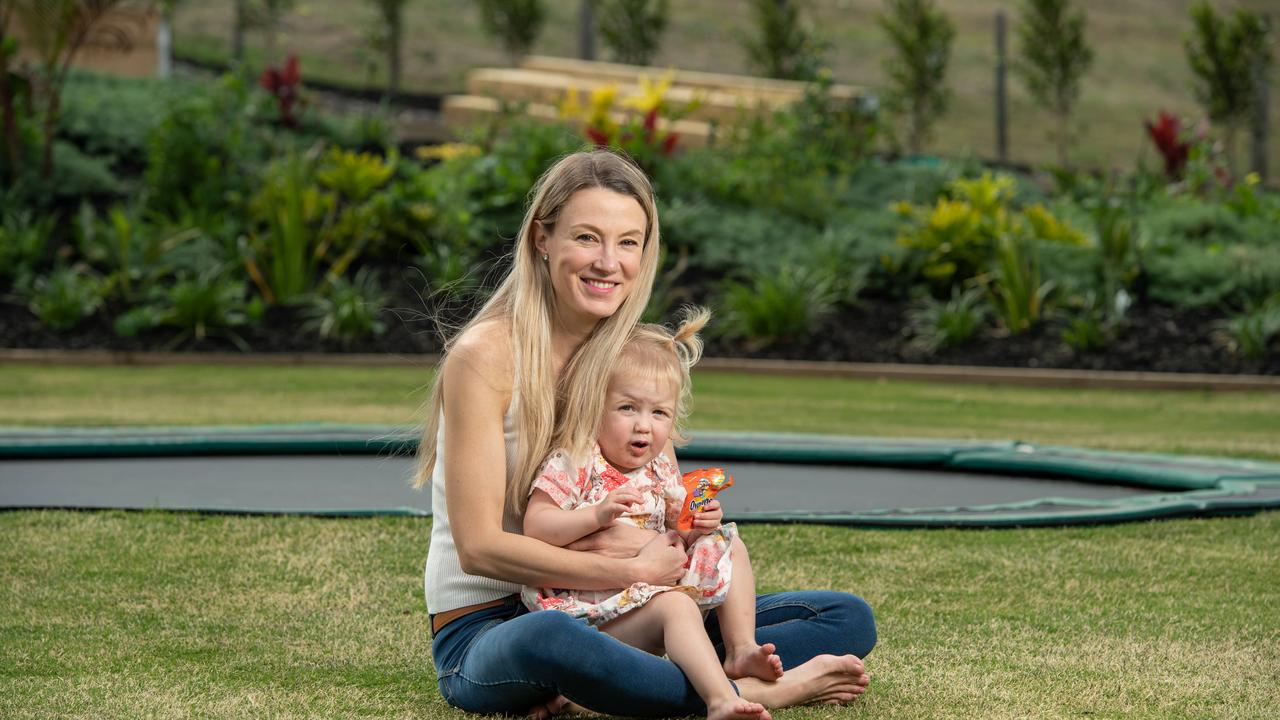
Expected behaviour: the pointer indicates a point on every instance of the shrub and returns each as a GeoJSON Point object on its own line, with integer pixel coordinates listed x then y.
{"type": "Point", "coordinates": [632, 29]}
{"type": "Point", "coordinates": [784, 46]}
{"type": "Point", "coordinates": [1249, 334]}
{"type": "Point", "coordinates": [199, 306]}
{"type": "Point", "coordinates": [1054, 56]}
{"type": "Point", "coordinates": [66, 296]}
{"type": "Point", "coordinates": [921, 37]}
{"type": "Point", "coordinates": [1017, 294]}
{"type": "Point", "coordinates": [206, 152]}
{"type": "Point", "coordinates": [783, 306]}
{"type": "Point", "coordinates": [959, 237]}
{"type": "Point", "coordinates": [131, 252]}
{"type": "Point", "coordinates": [349, 312]}
{"type": "Point", "coordinates": [112, 117]}
{"type": "Point", "coordinates": [514, 23]}
{"type": "Point", "coordinates": [24, 240]}
{"type": "Point", "coordinates": [938, 324]}
{"type": "Point", "coordinates": [1224, 54]}
{"type": "Point", "coordinates": [1215, 276]}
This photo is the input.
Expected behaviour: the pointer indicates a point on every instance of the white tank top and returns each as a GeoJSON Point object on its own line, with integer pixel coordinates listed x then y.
{"type": "Point", "coordinates": [447, 586]}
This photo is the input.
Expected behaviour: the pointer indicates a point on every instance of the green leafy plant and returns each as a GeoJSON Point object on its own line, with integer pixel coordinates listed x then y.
{"type": "Point", "coordinates": [1014, 285]}
{"type": "Point", "coordinates": [24, 240]}
{"type": "Point", "coordinates": [1054, 57]}
{"type": "Point", "coordinates": [784, 46]}
{"type": "Point", "coordinates": [66, 296]}
{"type": "Point", "coordinates": [206, 151]}
{"type": "Point", "coordinates": [350, 310]}
{"type": "Point", "coordinates": [632, 29]}
{"type": "Point", "coordinates": [514, 23]}
{"type": "Point", "coordinates": [1096, 321]}
{"type": "Point", "coordinates": [199, 306]}
{"type": "Point", "coordinates": [956, 239]}
{"type": "Point", "coordinates": [921, 37]}
{"type": "Point", "coordinates": [779, 307]}
{"type": "Point", "coordinates": [132, 253]}
{"type": "Point", "coordinates": [1224, 53]}
{"type": "Point", "coordinates": [938, 324]}
{"type": "Point", "coordinates": [1250, 333]}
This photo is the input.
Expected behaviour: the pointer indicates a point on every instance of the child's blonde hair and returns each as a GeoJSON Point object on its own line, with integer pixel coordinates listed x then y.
{"type": "Point", "coordinates": [657, 351]}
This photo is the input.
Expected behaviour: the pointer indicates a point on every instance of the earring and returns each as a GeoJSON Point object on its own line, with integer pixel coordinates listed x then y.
{"type": "Point", "coordinates": [545, 257]}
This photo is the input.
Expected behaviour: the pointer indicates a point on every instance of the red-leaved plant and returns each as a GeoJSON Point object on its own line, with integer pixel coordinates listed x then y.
{"type": "Point", "coordinates": [283, 85]}
{"type": "Point", "coordinates": [1166, 133]}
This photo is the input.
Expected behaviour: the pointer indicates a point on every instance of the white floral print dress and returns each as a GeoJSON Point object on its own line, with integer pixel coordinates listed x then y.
{"type": "Point", "coordinates": [571, 487]}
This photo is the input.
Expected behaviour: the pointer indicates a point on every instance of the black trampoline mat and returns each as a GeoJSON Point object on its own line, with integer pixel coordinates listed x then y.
{"type": "Point", "coordinates": [311, 483]}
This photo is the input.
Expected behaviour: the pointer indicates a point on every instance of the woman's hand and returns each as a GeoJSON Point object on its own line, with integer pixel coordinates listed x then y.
{"type": "Point", "coordinates": [617, 503]}
{"type": "Point", "coordinates": [620, 540]}
{"type": "Point", "coordinates": [661, 561]}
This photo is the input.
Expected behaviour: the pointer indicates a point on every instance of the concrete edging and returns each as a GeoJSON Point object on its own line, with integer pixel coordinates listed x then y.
{"type": "Point", "coordinates": [1033, 377]}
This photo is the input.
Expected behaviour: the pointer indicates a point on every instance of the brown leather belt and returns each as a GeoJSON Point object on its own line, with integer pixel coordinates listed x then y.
{"type": "Point", "coordinates": [439, 620]}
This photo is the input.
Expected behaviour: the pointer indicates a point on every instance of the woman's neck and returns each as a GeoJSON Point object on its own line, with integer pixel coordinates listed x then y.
{"type": "Point", "coordinates": [566, 339]}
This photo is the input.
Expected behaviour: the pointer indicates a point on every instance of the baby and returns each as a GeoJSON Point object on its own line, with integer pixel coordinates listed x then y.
{"type": "Point", "coordinates": [629, 478]}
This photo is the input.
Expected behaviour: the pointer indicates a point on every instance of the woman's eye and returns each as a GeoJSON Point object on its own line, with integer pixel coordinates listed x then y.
{"type": "Point", "coordinates": [586, 238]}
{"type": "Point", "coordinates": [632, 242]}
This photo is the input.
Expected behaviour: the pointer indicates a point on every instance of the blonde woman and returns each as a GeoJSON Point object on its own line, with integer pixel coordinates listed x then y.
{"type": "Point", "coordinates": [524, 377]}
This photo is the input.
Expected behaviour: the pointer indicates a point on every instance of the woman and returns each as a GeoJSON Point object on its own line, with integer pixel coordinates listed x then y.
{"type": "Point", "coordinates": [537, 353]}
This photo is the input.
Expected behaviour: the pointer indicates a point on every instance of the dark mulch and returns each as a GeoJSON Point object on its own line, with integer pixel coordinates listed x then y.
{"type": "Point", "coordinates": [1156, 338]}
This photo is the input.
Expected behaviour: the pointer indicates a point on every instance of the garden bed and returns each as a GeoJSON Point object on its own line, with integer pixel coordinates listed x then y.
{"type": "Point", "coordinates": [1158, 339]}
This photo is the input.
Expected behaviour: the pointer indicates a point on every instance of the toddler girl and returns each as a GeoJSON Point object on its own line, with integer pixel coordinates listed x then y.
{"type": "Point", "coordinates": [630, 478]}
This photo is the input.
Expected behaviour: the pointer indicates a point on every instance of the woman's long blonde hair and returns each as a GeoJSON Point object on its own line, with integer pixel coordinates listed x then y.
{"type": "Point", "coordinates": [526, 301]}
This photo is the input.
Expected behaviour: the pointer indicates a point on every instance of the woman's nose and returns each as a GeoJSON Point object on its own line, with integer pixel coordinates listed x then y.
{"type": "Point", "coordinates": [607, 260]}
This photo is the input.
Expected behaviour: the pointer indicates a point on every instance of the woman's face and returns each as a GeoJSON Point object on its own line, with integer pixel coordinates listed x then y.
{"type": "Point", "coordinates": [593, 254]}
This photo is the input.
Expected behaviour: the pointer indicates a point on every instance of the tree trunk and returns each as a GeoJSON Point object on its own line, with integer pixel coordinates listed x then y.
{"type": "Point", "coordinates": [393, 59]}
{"type": "Point", "coordinates": [164, 45]}
{"type": "Point", "coordinates": [50, 117]}
{"type": "Point", "coordinates": [1064, 123]}
{"type": "Point", "coordinates": [237, 32]}
{"type": "Point", "coordinates": [12, 151]}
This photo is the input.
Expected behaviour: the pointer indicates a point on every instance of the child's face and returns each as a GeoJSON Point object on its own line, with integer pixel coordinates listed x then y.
{"type": "Point", "coordinates": [638, 415]}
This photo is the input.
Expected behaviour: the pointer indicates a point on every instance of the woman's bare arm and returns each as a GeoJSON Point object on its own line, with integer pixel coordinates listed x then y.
{"type": "Point", "coordinates": [476, 388]}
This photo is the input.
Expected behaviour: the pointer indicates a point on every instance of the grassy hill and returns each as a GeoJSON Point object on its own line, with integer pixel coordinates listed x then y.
{"type": "Point", "coordinates": [1140, 65]}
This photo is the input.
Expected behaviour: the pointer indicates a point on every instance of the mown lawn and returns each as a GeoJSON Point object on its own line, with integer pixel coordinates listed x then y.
{"type": "Point", "coordinates": [1238, 424]}
{"type": "Point", "coordinates": [113, 614]}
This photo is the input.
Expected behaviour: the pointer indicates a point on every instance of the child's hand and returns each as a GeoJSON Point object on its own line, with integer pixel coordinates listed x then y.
{"type": "Point", "coordinates": [617, 503]}
{"type": "Point", "coordinates": [707, 520]}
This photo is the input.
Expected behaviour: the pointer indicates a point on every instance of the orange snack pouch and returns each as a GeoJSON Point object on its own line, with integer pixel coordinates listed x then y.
{"type": "Point", "coordinates": [700, 486]}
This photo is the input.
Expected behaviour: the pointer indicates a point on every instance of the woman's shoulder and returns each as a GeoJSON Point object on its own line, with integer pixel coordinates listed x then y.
{"type": "Point", "coordinates": [483, 351]}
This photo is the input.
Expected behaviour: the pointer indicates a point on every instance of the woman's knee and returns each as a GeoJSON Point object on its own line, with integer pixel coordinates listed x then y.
{"type": "Point", "coordinates": [858, 622]}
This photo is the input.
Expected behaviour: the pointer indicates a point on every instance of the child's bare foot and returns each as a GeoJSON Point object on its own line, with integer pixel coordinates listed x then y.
{"type": "Point", "coordinates": [757, 661]}
{"type": "Point", "coordinates": [824, 679]}
{"type": "Point", "coordinates": [735, 708]}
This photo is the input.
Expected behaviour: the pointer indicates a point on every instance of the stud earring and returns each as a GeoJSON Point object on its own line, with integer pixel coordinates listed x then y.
{"type": "Point", "coordinates": [545, 257]}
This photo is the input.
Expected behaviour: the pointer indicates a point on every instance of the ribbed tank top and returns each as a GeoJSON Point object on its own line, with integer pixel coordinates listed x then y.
{"type": "Point", "coordinates": [447, 586]}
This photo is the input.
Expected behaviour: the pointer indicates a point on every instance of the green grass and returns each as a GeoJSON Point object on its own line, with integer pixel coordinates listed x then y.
{"type": "Point", "coordinates": [153, 614]}
{"type": "Point", "coordinates": [111, 614]}
{"type": "Point", "coordinates": [1140, 66]}
{"type": "Point", "coordinates": [1239, 424]}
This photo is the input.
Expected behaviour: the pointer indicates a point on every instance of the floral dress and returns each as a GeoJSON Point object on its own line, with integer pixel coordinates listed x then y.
{"type": "Point", "coordinates": [709, 568]}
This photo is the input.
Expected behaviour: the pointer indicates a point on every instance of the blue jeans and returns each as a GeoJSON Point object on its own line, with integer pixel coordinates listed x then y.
{"type": "Point", "coordinates": [506, 659]}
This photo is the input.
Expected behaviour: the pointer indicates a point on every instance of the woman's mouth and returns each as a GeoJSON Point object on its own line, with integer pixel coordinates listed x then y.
{"type": "Point", "coordinates": [599, 287]}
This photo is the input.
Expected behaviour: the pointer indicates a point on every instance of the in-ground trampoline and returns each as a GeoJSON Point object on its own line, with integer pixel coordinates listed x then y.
{"type": "Point", "coordinates": [362, 470]}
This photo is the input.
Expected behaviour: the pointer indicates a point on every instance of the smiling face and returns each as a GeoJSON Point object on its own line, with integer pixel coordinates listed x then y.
{"type": "Point", "coordinates": [638, 415]}
{"type": "Point", "coordinates": [593, 254]}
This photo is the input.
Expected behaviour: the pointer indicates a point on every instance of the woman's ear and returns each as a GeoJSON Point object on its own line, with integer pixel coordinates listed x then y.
{"type": "Point", "coordinates": [539, 237]}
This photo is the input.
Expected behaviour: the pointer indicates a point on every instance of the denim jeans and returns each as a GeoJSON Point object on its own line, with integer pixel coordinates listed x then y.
{"type": "Point", "coordinates": [506, 659]}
